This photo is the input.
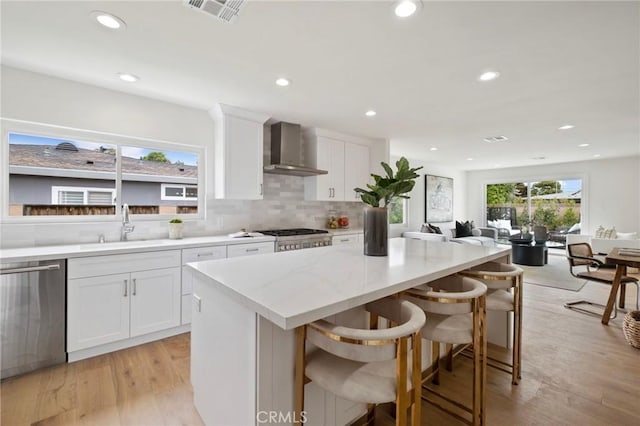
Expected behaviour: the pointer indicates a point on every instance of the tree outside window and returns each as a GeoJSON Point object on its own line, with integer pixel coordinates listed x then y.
{"type": "Point", "coordinates": [397, 211]}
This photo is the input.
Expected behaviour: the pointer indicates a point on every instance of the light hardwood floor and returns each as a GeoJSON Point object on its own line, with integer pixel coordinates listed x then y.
{"type": "Point", "coordinates": [575, 371]}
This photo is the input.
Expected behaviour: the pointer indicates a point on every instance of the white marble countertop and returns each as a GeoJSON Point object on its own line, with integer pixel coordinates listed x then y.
{"type": "Point", "coordinates": [119, 247]}
{"type": "Point", "coordinates": [297, 287]}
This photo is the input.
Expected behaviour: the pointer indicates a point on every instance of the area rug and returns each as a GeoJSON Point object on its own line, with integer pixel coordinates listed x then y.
{"type": "Point", "coordinates": [554, 274]}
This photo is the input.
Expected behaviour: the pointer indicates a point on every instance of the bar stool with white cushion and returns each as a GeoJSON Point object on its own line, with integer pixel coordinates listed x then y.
{"type": "Point", "coordinates": [500, 278]}
{"type": "Point", "coordinates": [368, 366]}
{"type": "Point", "coordinates": [455, 308]}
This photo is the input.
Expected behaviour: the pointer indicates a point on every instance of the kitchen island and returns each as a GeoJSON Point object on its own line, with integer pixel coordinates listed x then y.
{"type": "Point", "coordinates": [246, 309]}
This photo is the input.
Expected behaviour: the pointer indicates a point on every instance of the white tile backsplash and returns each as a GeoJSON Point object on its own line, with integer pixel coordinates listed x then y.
{"type": "Point", "coordinates": [283, 206]}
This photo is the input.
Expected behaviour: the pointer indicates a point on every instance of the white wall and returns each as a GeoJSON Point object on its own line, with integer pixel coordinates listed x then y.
{"type": "Point", "coordinates": [417, 201]}
{"type": "Point", "coordinates": [611, 190]}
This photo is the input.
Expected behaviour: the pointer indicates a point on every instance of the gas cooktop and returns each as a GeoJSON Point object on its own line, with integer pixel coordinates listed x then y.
{"type": "Point", "coordinates": [292, 232]}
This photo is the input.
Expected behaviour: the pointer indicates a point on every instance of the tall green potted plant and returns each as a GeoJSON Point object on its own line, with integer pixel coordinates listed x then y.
{"type": "Point", "coordinates": [378, 196]}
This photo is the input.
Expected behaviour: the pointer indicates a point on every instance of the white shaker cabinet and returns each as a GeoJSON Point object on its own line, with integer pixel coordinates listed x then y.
{"type": "Point", "coordinates": [347, 165]}
{"type": "Point", "coordinates": [155, 300]}
{"type": "Point", "coordinates": [238, 150]}
{"type": "Point", "coordinates": [356, 170]}
{"type": "Point", "coordinates": [97, 310]}
{"type": "Point", "coordinates": [117, 297]}
{"type": "Point", "coordinates": [326, 154]}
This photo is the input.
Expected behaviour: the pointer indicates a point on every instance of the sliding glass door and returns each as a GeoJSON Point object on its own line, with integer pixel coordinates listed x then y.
{"type": "Point", "coordinates": [554, 204]}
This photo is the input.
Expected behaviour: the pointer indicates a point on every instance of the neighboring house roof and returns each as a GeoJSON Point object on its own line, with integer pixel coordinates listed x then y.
{"type": "Point", "coordinates": [576, 195]}
{"type": "Point", "coordinates": [47, 156]}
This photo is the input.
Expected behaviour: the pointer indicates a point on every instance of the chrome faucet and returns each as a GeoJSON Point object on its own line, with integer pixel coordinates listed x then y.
{"type": "Point", "coordinates": [127, 227]}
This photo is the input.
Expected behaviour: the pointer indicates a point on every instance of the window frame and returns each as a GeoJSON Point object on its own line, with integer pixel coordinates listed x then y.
{"type": "Point", "coordinates": [405, 214]}
{"type": "Point", "coordinates": [8, 125]}
{"type": "Point", "coordinates": [84, 189]}
{"type": "Point", "coordinates": [164, 197]}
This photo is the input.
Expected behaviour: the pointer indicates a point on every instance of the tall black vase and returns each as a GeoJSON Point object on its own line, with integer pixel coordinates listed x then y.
{"type": "Point", "coordinates": [375, 231]}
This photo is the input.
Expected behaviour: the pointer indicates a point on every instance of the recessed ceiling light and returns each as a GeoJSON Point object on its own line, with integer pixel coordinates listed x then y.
{"type": "Point", "coordinates": [405, 8]}
{"type": "Point", "coordinates": [469, 159]}
{"type": "Point", "coordinates": [370, 113]}
{"type": "Point", "coordinates": [108, 20]}
{"type": "Point", "coordinates": [494, 139]}
{"type": "Point", "coordinates": [596, 155]}
{"type": "Point", "coordinates": [283, 82]}
{"type": "Point", "coordinates": [129, 78]}
{"type": "Point", "coordinates": [582, 145]}
{"type": "Point", "coordinates": [489, 75]}
{"type": "Point", "coordinates": [566, 127]}
{"type": "Point", "coordinates": [433, 148]}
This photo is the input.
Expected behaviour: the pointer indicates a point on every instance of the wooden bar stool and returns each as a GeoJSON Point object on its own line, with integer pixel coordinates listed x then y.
{"type": "Point", "coordinates": [500, 279]}
{"type": "Point", "coordinates": [369, 366]}
{"type": "Point", "coordinates": [455, 308]}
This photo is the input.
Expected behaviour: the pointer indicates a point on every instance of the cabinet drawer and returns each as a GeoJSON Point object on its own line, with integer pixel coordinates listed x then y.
{"type": "Point", "coordinates": [197, 255]}
{"type": "Point", "coordinates": [119, 263]}
{"type": "Point", "coordinates": [345, 239]}
{"type": "Point", "coordinates": [203, 253]}
{"type": "Point", "coordinates": [249, 249]}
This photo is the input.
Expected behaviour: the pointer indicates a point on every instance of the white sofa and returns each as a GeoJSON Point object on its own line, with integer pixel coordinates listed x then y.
{"type": "Point", "coordinates": [481, 237]}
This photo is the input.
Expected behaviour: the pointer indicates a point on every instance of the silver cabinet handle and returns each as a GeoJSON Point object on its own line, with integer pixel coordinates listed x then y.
{"type": "Point", "coordinates": [253, 249]}
{"type": "Point", "coordinates": [205, 254]}
{"type": "Point", "coordinates": [261, 189]}
{"type": "Point", "coordinates": [29, 269]}
{"type": "Point", "coordinates": [126, 282]}
{"type": "Point", "coordinates": [135, 286]}
{"type": "Point", "coordinates": [344, 240]}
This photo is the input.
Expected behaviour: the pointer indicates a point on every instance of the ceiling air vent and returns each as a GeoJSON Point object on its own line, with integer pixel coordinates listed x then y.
{"type": "Point", "coordinates": [226, 10]}
{"type": "Point", "coordinates": [494, 139]}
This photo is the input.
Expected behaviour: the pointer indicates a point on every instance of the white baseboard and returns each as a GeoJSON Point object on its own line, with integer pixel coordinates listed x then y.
{"type": "Point", "coordinates": [126, 343]}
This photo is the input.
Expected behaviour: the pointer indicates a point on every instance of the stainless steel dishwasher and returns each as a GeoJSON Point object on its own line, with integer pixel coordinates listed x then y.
{"type": "Point", "coordinates": [32, 315]}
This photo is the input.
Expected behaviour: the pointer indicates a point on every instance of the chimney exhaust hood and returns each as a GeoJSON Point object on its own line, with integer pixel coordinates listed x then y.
{"type": "Point", "coordinates": [286, 152]}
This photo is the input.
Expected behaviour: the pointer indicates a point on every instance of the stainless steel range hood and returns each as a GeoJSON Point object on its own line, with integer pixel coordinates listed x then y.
{"type": "Point", "coordinates": [286, 152]}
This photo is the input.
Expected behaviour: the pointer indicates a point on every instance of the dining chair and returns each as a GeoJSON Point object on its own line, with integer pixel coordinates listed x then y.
{"type": "Point", "coordinates": [580, 255]}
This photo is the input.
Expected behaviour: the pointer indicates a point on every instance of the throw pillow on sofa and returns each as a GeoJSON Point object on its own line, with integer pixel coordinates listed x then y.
{"type": "Point", "coordinates": [435, 229]}
{"type": "Point", "coordinates": [426, 229]}
{"type": "Point", "coordinates": [464, 229]}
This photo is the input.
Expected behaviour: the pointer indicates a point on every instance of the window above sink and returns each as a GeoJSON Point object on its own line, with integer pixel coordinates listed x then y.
{"type": "Point", "coordinates": [55, 174]}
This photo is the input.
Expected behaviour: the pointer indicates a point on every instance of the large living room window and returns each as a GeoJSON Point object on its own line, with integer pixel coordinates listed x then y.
{"type": "Point", "coordinates": [60, 172]}
{"type": "Point", "coordinates": [555, 204]}
{"type": "Point", "coordinates": [398, 211]}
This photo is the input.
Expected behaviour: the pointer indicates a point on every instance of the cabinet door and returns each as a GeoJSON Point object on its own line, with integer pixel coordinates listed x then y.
{"type": "Point", "coordinates": [155, 300]}
{"type": "Point", "coordinates": [324, 183]}
{"type": "Point", "coordinates": [97, 310]}
{"type": "Point", "coordinates": [243, 159]}
{"type": "Point", "coordinates": [337, 169]}
{"type": "Point", "coordinates": [356, 170]}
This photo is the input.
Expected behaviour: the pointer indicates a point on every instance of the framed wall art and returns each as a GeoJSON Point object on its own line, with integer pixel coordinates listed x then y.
{"type": "Point", "coordinates": [438, 199]}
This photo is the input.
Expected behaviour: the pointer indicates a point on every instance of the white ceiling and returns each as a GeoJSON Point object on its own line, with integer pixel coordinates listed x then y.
{"type": "Point", "coordinates": [560, 62]}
